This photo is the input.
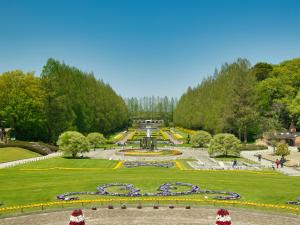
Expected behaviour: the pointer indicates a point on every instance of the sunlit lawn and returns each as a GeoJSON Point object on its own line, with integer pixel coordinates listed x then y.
{"type": "Point", "coordinates": [12, 153]}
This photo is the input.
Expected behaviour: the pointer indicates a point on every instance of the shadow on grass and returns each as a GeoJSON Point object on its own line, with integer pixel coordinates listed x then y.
{"type": "Point", "coordinates": [77, 157]}
{"type": "Point", "coordinates": [228, 156]}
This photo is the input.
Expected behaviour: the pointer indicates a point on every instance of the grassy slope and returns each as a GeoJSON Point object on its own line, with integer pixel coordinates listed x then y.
{"type": "Point", "coordinates": [19, 186]}
{"type": "Point", "coordinates": [12, 153]}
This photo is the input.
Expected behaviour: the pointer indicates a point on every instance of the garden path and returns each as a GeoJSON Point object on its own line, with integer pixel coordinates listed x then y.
{"type": "Point", "coordinates": [163, 215]}
{"type": "Point", "coordinates": [173, 140]}
{"type": "Point", "coordinates": [125, 138]}
{"type": "Point", "coordinates": [252, 155]}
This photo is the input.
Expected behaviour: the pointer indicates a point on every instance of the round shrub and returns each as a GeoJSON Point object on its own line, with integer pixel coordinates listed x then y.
{"type": "Point", "coordinates": [73, 142]}
{"type": "Point", "coordinates": [201, 139]}
{"type": "Point", "coordinates": [95, 139]}
{"type": "Point", "coordinates": [224, 145]}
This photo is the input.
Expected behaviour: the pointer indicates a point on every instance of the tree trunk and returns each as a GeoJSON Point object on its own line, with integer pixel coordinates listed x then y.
{"type": "Point", "coordinates": [245, 135]}
{"type": "Point", "coordinates": [240, 135]}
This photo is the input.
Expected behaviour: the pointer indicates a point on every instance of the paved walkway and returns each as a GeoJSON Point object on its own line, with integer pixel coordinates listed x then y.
{"type": "Point", "coordinates": [23, 161]}
{"type": "Point", "coordinates": [268, 164]}
{"type": "Point", "coordinates": [150, 216]}
{"type": "Point", "coordinates": [124, 139]}
{"type": "Point", "coordinates": [172, 139]}
{"type": "Point", "coordinates": [187, 153]}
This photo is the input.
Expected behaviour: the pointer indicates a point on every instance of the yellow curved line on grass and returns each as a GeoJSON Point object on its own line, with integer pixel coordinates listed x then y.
{"type": "Point", "coordinates": [178, 165]}
{"type": "Point", "coordinates": [62, 168]}
{"type": "Point", "coordinates": [155, 199]}
{"type": "Point", "coordinates": [119, 164]}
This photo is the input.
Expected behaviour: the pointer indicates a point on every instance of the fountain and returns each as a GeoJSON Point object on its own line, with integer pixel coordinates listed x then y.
{"type": "Point", "coordinates": [148, 142]}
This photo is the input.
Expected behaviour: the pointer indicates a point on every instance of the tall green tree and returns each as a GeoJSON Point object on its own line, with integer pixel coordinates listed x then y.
{"type": "Point", "coordinates": [75, 100]}
{"type": "Point", "coordinates": [22, 105]}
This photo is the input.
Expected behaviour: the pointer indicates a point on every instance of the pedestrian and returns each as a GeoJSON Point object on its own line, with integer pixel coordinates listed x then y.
{"type": "Point", "coordinates": [77, 217]}
{"type": "Point", "coordinates": [277, 162]}
{"type": "Point", "coordinates": [234, 163]}
{"type": "Point", "coordinates": [259, 157]}
{"type": "Point", "coordinates": [282, 161]}
{"type": "Point", "coordinates": [273, 166]}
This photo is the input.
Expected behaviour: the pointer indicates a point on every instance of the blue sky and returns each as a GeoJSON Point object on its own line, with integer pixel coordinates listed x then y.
{"type": "Point", "coordinates": [147, 47]}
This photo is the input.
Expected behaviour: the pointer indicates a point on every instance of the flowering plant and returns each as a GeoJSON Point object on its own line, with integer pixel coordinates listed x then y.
{"type": "Point", "coordinates": [223, 217]}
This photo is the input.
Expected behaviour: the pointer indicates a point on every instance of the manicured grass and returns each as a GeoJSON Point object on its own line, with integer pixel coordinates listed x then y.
{"type": "Point", "coordinates": [42, 181]}
{"type": "Point", "coordinates": [8, 154]}
{"type": "Point", "coordinates": [63, 162]}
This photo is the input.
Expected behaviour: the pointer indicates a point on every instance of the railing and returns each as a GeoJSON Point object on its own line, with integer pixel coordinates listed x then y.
{"type": "Point", "coordinates": [23, 161]}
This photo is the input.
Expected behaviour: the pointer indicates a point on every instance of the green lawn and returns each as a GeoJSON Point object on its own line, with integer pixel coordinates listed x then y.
{"type": "Point", "coordinates": [8, 154]}
{"type": "Point", "coordinates": [27, 184]}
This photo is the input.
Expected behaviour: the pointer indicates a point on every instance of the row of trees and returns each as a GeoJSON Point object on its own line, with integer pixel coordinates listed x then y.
{"type": "Point", "coordinates": [243, 100]}
{"type": "Point", "coordinates": [151, 108]}
{"type": "Point", "coordinates": [224, 144]}
{"type": "Point", "coordinates": [62, 98]}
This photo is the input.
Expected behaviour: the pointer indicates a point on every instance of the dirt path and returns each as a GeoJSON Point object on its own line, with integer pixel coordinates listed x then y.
{"type": "Point", "coordinates": [163, 215]}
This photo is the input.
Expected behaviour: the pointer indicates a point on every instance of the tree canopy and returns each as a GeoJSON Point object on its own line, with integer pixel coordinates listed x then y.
{"type": "Point", "coordinates": [224, 145]}
{"type": "Point", "coordinates": [151, 108]}
{"type": "Point", "coordinates": [95, 139]}
{"type": "Point", "coordinates": [72, 143]}
{"type": "Point", "coordinates": [201, 139]}
{"type": "Point", "coordinates": [243, 100]}
{"type": "Point", "coordinates": [62, 98]}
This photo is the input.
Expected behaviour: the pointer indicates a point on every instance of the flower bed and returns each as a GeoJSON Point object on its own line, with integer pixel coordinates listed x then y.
{"type": "Point", "coordinates": [139, 152]}
{"type": "Point", "coordinates": [131, 164]}
{"type": "Point", "coordinates": [166, 189]}
{"type": "Point", "coordinates": [294, 202]}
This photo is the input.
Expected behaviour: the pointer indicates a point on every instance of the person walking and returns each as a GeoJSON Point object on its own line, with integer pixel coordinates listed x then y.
{"type": "Point", "coordinates": [234, 163]}
{"type": "Point", "coordinates": [282, 161]}
{"type": "Point", "coordinates": [259, 157]}
{"type": "Point", "coordinates": [277, 162]}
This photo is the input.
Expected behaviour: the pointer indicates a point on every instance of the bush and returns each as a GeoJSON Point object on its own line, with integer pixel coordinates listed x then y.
{"type": "Point", "coordinates": [252, 147]}
{"type": "Point", "coordinates": [73, 142]}
{"type": "Point", "coordinates": [38, 147]}
{"type": "Point", "coordinates": [282, 149]}
{"type": "Point", "coordinates": [95, 139]}
{"type": "Point", "coordinates": [201, 139]}
{"type": "Point", "coordinates": [225, 145]}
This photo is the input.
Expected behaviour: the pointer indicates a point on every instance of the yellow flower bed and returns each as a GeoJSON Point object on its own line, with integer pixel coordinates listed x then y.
{"type": "Point", "coordinates": [177, 136]}
{"type": "Point", "coordinates": [142, 153]}
{"type": "Point", "coordinates": [131, 135]}
{"type": "Point", "coordinates": [152, 199]}
{"type": "Point", "coordinates": [164, 135]}
{"type": "Point", "coordinates": [188, 131]}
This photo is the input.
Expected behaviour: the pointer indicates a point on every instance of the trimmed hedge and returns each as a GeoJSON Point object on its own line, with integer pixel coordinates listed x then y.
{"type": "Point", "coordinates": [38, 147]}
{"type": "Point", "coordinates": [252, 147]}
